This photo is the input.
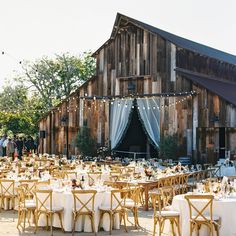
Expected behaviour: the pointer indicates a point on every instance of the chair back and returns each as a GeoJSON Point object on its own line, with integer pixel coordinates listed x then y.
{"type": "Point", "coordinates": [184, 182]}
{"type": "Point", "coordinates": [68, 174]}
{"type": "Point", "coordinates": [31, 183]}
{"type": "Point", "coordinates": [115, 175]}
{"type": "Point", "coordinates": [22, 191]}
{"type": "Point", "coordinates": [84, 200]}
{"type": "Point", "coordinates": [134, 194]}
{"type": "Point", "coordinates": [118, 199]}
{"type": "Point", "coordinates": [43, 200]}
{"type": "Point", "coordinates": [93, 177]}
{"type": "Point", "coordinates": [156, 203]}
{"type": "Point", "coordinates": [42, 184]}
{"type": "Point", "coordinates": [7, 187]}
{"type": "Point", "coordinates": [202, 212]}
{"type": "Point", "coordinates": [167, 194]}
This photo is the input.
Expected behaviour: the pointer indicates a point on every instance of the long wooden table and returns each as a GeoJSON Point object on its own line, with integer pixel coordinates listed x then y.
{"type": "Point", "coordinates": [149, 185]}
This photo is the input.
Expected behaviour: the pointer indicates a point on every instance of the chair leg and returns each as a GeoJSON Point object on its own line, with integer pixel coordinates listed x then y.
{"type": "Point", "coordinates": [93, 225]}
{"type": "Point", "coordinates": [51, 219]}
{"type": "Point", "coordinates": [160, 226]}
{"type": "Point", "coordinates": [124, 214]}
{"type": "Point", "coordinates": [135, 213]}
{"type": "Point", "coordinates": [127, 217]}
{"type": "Point", "coordinates": [100, 221]}
{"type": "Point", "coordinates": [47, 222]}
{"type": "Point", "coordinates": [172, 227]}
{"type": "Point", "coordinates": [34, 218]}
{"type": "Point", "coordinates": [24, 215]}
{"type": "Point", "coordinates": [36, 221]}
{"type": "Point", "coordinates": [154, 227]}
{"type": "Point", "coordinates": [60, 218]}
{"type": "Point", "coordinates": [111, 219]}
{"type": "Point", "coordinates": [198, 230]}
{"type": "Point", "coordinates": [178, 226]}
{"type": "Point", "coordinates": [74, 222]}
{"type": "Point", "coordinates": [217, 231]}
{"type": "Point", "coordinates": [19, 218]}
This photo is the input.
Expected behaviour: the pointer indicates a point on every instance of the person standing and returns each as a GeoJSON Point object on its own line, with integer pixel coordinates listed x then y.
{"type": "Point", "coordinates": [36, 143]}
{"type": "Point", "coordinates": [4, 146]}
{"type": "Point", "coordinates": [27, 145]}
{"type": "Point", "coordinates": [10, 148]}
{"type": "Point", "coordinates": [20, 146]}
{"type": "Point", "coordinates": [1, 143]}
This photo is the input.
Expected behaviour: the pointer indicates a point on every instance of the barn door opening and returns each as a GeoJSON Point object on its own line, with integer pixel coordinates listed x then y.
{"type": "Point", "coordinates": [135, 139]}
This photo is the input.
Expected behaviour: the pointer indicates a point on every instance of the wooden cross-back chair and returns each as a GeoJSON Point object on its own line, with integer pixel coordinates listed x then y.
{"type": "Point", "coordinates": [31, 183]}
{"type": "Point", "coordinates": [167, 195]}
{"type": "Point", "coordinates": [132, 203]}
{"type": "Point", "coordinates": [44, 206]}
{"type": "Point", "coordinates": [42, 184]}
{"type": "Point", "coordinates": [93, 177]}
{"type": "Point", "coordinates": [115, 175]}
{"type": "Point", "coordinates": [184, 183]}
{"type": "Point", "coordinates": [68, 174]}
{"type": "Point", "coordinates": [57, 173]}
{"type": "Point", "coordinates": [117, 206]}
{"type": "Point", "coordinates": [202, 215]}
{"type": "Point", "coordinates": [84, 205]}
{"type": "Point", "coordinates": [25, 206]}
{"type": "Point", "coordinates": [7, 192]}
{"type": "Point", "coordinates": [160, 215]}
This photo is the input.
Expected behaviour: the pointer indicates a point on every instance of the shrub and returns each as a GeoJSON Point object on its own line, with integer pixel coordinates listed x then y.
{"type": "Point", "coordinates": [85, 143]}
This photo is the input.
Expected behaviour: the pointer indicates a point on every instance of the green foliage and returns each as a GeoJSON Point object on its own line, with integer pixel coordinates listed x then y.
{"type": "Point", "coordinates": [42, 85]}
{"type": "Point", "coordinates": [16, 123]}
{"type": "Point", "coordinates": [55, 79]}
{"type": "Point", "coordinates": [168, 147]}
{"type": "Point", "coordinates": [19, 111]}
{"type": "Point", "coordinates": [85, 143]}
{"type": "Point", "coordinates": [13, 97]}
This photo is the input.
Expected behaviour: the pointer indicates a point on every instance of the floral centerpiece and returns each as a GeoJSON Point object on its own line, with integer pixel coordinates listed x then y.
{"type": "Point", "coordinates": [103, 151]}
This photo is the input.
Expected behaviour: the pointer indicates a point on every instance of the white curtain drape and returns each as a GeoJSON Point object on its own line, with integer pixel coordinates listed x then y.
{"type": "Point", "coordinates": [150, 114]}
{"type": "Point", "coordinates": [119, 118]}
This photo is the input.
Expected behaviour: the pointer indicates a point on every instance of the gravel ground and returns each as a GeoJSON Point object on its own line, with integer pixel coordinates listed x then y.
{"type": "Point", "coordinates": [8, 221]}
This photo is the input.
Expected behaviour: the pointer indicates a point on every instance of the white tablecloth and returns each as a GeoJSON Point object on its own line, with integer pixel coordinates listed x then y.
{"type": "Point", "coordinates": [225, 209]}
{"type": "Point", "coordinates": [65, 200]}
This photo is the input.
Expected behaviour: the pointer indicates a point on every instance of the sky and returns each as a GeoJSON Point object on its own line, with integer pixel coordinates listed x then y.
{"type": "Point", "coordinates": [30, 29]}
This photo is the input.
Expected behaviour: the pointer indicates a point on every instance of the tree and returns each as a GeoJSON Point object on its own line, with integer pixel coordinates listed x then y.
{"type": "Point", "coordinates": [55, 79]}
{"type": "Point", "coordinates": [19, 111]}
{"type": "Point", "coordinates": [13, 97]}
{"type": "Point", "coordinates": [16, 123]}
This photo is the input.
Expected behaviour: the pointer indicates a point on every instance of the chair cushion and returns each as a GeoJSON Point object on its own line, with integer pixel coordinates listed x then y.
{"type": "Point", "coordinates": [107, 208]}
{"type": "Point", "coordinates": [30, 204]}
{"type": "Point", "coordinates": [130, 203]}
{"type": "Point", "coordinates": [56, 209]}
{"type": "Point", "coordinates": [214, 218]}
{"type": "Point", "coordinates": [170, 213]}
{"type": "Point", "coordinates": [167, 208]}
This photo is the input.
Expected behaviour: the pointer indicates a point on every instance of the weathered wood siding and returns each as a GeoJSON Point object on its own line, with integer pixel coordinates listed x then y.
{"type": "Point", "coordinates": [149, 61]}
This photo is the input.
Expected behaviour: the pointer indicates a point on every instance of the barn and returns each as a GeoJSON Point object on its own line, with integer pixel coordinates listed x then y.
{"type": "Point", "coordinates": [150, 84]}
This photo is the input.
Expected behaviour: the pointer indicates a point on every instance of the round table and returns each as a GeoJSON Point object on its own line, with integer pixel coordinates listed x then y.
{"type": "Point", "coordinates": [224, 208]}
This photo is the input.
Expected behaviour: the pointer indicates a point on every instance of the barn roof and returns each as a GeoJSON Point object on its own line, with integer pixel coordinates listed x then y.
{"type": "Point", "coordinates": [177, 40]}
{"type": "Point", "coordinates": [221, 87]}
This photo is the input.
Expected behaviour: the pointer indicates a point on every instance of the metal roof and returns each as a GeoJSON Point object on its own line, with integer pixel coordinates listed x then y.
{"type": "Point", "coordinates": [221, 87]}
{"type": "Point", "coordinates": [177, 40]}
